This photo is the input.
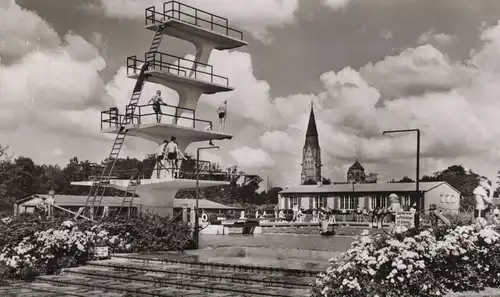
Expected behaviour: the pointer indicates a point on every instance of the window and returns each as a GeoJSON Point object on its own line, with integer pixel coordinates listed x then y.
{"type": "Point", "coordinates": [294, 200]}
{"type": "Point", "coordinates": [373, 202]}
{"type": "Point", "coordinates": [405, 200]}
{"type": "Point", "coordinates": [319, 202]}
{"type": "Point", "coordinates": [348, 203]}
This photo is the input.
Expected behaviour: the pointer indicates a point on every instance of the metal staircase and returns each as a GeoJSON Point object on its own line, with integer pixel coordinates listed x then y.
{"type": "Point", "coordinates": [129, 196]}
{"type": "Point", "coordinates": [98, 188]}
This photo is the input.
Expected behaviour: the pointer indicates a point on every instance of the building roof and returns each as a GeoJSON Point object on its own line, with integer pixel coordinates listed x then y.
{"type": "Point", "coordinates": [79, 200]}
{"type": "Point", "coordinates": [311, 127]}
{"type": "Point", "coordinates": [378, 187]}
{"type": "Point", "coordinates": [356, 166]}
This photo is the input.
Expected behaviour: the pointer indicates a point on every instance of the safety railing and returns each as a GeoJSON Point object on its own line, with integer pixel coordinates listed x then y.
{"type": "Point", "coordinates": [191, 15]}
{"type": "Point", "coordinates": [175, 65]}
{"type": "Point", "coordinates": [145, 114]}
{"type": "Point", "coordinates": [187, 170]}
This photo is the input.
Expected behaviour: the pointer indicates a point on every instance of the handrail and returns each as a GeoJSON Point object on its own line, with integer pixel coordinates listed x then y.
{"type": "Point", "coordinates": [113, 118]}
{"type": "Point", "coordinates": [161, 61]}
{"type": "Point", "coordinates": [206, 172]}
{"type": "Point", "coordinates": [198, 18]}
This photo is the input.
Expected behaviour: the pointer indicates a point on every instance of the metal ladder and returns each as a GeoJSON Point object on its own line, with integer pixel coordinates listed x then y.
{"type": "Point", "coordinates": [131, 189]}
{"type": "Point", "coordinates": [150, 55]}
{"type": "Point", "coordinates": [98, 188]}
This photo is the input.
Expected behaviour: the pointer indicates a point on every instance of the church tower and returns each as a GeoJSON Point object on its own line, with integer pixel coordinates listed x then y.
{"type": "Point", "coordinates": [311, 153]}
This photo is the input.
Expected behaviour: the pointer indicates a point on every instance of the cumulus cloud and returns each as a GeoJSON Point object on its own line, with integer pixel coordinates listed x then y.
{"type": "Point", "coordinates": [437, 38]}
{"type": "Point", "coordinates": [256, 17]}
{"type": "Point", "coordinates": [337, 4]}
{"type": "Point", "coordinates": [251, 158]}
{"type": "Point", "coordinates": [22, 31]}
{"type": "Point", "coordinates": [415, 71]}
{"type": "Point", "coordinates": [453, 103]}
{"type": "Point", "coordinates": [50, 90]}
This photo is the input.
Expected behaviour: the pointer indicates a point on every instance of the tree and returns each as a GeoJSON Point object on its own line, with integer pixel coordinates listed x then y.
{"type": "Point", "coordinates": [406, 179]}
{"type": "Point", "coordinates": [371, 178]}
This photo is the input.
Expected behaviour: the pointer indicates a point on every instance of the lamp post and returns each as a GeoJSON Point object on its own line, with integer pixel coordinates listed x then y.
{"type": "Point", "coordinates": [417, 181]}
{"type": "Point", "coordinates": [196, 222]}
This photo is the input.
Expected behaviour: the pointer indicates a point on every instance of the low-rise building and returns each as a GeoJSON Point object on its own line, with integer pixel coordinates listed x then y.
{"type": "Point", "coordinates": [74, 202]}
{"type": "Point", "coordinates": [348, 196]}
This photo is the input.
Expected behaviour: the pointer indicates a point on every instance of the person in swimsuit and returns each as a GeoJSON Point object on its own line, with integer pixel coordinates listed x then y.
{"type": "Point", "coordinates": [156, 101]}
{"type": "Point", "coordinates": [160, 156]}
{"type": "Point", "coordinates": [172, 154]}
{"type": "Point", "coordinates": [483, 199]}
{"type": "Point", "coordinates": [222, 112]}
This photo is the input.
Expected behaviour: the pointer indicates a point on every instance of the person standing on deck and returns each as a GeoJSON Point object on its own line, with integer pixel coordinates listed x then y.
{"type": "Point", "coordinates": [482, 197]}
{"type": "Point", "coordinates": [160, 157]}
{"type": "Point", "coordinates": [178, 163]}
{"type": "Point", "coordinates": [156, 101]}
{"type": "Point", "coordinates": [172, 149]}
{"type": "Point", "coordinates": [222, 112]}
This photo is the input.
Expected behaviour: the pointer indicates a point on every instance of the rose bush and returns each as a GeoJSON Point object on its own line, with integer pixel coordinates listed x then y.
{"type": "Point", "coordinates": [415, 263]}
{"type": "Point", "coordinates": [31, 246]}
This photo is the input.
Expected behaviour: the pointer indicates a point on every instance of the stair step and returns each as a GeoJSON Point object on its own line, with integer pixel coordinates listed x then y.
{"type": "Point", "coordinates": [189, 260]}
{"type": "Point", "coordinates": [127, 288]}
{"type": "Point", "coordinates": [70, 291]}
{"type": "Point", "coordinates": [178, 281]}
{"type": "Point", "coordinates": [206, 273]}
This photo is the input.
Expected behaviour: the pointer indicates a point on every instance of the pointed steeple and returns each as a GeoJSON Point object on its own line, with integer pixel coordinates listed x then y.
{"type": "Point", "coordinates": [311, 127]}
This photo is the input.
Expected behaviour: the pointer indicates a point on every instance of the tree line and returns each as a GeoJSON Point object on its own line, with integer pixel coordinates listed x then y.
{"type": "Point", "coordinates": [21, 177]}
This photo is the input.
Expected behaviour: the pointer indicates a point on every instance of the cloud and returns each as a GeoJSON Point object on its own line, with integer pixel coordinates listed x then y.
{"type": "Point", "coordinates": [251, 158]}
{"type": "Point", "coordinates": [22, 31]}
{"type": "Point", "coordinates": [452, 102]}
{"type": "Point", "coordinates": [386, 34]}
{"type": "Point", "coordinates": [415, 71]}
{"type": "Point", "coordinates": [51, 91]}
{"type": "Point", "coordinates": [431, 37]}
{"type": "Point", "coordinates": [337, 4]}
{"type": "Point", "coordinates": [255, 16]}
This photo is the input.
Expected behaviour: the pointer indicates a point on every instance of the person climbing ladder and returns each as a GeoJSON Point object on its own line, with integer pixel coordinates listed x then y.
{"type": "Point", "coordinates": [222, 112]}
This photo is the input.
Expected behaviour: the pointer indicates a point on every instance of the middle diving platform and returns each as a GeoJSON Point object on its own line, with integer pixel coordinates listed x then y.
{"type": "Point", "coordinates": [178, 73]}
{"type": "Point", "coordinates": [173, 121]}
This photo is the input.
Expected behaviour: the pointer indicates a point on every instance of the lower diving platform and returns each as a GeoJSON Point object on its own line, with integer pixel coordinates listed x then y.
{"type": "Point", "coordinates": [157, 192]}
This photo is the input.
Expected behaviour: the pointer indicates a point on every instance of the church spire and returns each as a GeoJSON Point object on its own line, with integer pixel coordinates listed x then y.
{"type": "Point", "coordinates": [311, 127]}
{"type": "Point", "coordinates": [311, 153]}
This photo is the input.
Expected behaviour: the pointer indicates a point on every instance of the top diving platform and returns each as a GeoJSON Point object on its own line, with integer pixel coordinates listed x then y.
{"type": "Point", "coordinates": [194, 25]}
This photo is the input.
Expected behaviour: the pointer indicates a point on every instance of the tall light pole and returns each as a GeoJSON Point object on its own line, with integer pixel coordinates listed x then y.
{"type": "Point", "coordinates": [196, 222]}
{"type": "Point", "coordinates": [417, 180]}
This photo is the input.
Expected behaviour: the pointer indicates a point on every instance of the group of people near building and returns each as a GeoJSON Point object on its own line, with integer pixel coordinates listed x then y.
{"type": "Point", "coordinates": [169, 158]}
{"type": "Point", "coordinates": [484, 209]}
{"type": "Point", "coordinates": [156, 102]}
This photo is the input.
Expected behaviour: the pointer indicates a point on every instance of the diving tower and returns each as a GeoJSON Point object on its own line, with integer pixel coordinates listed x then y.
{"type": "Point", "coordinates": [158, 185]}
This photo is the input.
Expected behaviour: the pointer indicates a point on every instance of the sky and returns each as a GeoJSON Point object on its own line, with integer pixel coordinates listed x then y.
{"type": "Point", "coordinates": [367, 66]}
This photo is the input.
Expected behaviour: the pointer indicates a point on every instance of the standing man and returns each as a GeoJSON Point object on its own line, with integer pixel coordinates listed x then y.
{"type": "Point", "coordinates": [172, 155]}
{"type": "Point", "coordinates": [156, 101]}
{"type": "Point", "coordinates": [482, 197]}
{"type": "Point", "coordinates": [222, 112]}
{"type": "Point", "coordinates": [160, 156]}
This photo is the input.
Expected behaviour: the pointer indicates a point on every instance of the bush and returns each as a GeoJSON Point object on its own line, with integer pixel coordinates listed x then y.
{"type": "Point", "coordinates": [31, 246]}
{"type": "Point", "coordinates": [415, 263]}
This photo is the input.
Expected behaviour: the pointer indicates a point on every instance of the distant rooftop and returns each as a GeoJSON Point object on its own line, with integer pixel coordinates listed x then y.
{"type": "Point", "coordinates": [379, 187]}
